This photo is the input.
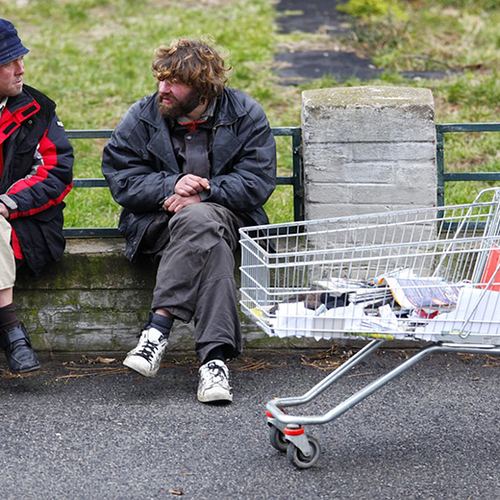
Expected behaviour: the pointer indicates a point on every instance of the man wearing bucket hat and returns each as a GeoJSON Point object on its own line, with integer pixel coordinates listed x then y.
{"type": "Point", "coordinates": [36, 161]}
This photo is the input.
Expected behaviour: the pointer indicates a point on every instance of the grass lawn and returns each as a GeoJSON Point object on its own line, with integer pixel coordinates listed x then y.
{"type": "Point", "coordinates": [93, 58]}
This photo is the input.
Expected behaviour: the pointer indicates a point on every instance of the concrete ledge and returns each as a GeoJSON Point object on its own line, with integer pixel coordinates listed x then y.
{"type": "Point", "coordinates": [95, 300]}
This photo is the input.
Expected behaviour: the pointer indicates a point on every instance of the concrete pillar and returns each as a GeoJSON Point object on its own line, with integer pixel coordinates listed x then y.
{"type": "Point", "coordinates": [368, 149]}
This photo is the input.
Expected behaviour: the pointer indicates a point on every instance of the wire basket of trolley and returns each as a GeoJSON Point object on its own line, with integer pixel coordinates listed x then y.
{"type": "Point", "coordinates": [428, 274]}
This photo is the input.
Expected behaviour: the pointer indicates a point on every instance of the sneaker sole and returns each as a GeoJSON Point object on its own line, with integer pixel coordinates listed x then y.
{"type": "Point", "coordinates": [215, 398]}
{"type": "Point", "coordinates": [138, 367]}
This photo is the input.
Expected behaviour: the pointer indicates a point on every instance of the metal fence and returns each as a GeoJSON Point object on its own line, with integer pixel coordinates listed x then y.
{"type": "Point", "coordinates": [442, 176]}
{"type": "Point", "coordinates": [296, 179]}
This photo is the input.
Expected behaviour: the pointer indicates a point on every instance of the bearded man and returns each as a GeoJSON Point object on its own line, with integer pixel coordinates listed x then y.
{"type": "Point", "coordinates": [190, 165]}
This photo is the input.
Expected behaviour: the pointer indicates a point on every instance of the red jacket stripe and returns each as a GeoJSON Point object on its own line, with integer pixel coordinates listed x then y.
{"type": "Point", "coordinates": [49, 155]}
{"type": "Point", "coordinates": [16, 247]}
{"type": "Point", "coordinates": [51, 203]}
{"type": "Point", "coordinates": [12, 121]}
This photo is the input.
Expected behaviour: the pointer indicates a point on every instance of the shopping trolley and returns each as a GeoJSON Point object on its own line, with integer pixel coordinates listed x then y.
{"type": "Point", "coordinates": [430, 275]}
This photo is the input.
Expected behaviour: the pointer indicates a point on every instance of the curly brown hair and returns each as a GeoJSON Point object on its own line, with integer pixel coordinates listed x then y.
{"type": "Point", "coordinates": [193, 63]}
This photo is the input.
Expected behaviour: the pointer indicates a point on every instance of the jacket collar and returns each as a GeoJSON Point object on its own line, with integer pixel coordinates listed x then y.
{"type": "Point", "coordinates": [149, 112]}
{"type": "Point", "coordinates": [229, 109]}
{"type": "Point", "coordinates": [159, 144]}
{"type": "Point", "coordinates": [22, 100]}
{"type": "Point", "coordinates": [18, 109]}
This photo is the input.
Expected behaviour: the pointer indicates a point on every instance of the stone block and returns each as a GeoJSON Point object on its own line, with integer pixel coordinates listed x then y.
{"type": "Point", "coordinates": [355, 114]}
{"type": "Point", "coordinates": [316, 211]}
{"type": "Point", "coordinates": [368, 146]}
{"type": "Point", "coordinates": [347, 173]}
{"type": "Point", "coordinates": [333, 154]}
{"type": "Point", "coordinates": [328, 193]}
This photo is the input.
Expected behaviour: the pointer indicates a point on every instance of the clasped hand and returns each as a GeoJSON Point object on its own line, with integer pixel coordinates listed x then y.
{"type": "Point", "coordinates": [186, 192]}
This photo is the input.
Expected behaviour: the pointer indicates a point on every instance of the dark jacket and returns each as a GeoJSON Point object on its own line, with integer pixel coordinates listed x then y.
{"type": "Point", "coordinates": [36, 176]}
{"type": "Point", "coordinates": [141, 168]}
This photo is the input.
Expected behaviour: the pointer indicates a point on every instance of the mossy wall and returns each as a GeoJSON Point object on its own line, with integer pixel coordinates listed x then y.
{"type": "Point", "coordinates": [95, 300]}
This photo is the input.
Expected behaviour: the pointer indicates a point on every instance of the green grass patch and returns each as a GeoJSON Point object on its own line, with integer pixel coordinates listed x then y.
{"type": "Point", "coordinates": [93, 57]}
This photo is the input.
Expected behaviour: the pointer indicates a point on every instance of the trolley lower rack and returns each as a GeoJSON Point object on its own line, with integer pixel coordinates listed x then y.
{"type": "Point", "coordinates": [286, 432]}
{"type": "Point", "coordinates": [429, 274]}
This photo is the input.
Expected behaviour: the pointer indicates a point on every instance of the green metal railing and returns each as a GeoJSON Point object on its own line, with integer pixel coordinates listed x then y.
{"type": "Point", "coordinates": [295, 180]}
{"type": "Point", "coordinates": [442, 176]}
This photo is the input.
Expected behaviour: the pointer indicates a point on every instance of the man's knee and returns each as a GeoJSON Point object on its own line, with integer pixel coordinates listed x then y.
{"type": "Point", "coordinates": [7, 261]}
{"type": "Point", "coordinates": [5, 229]}
{"type": "Point", "coordinates": [204, 225]}
{"type": "Point", "coordinates": [193, 214]}
{"type": "Point", "coordinates": [194, 219]}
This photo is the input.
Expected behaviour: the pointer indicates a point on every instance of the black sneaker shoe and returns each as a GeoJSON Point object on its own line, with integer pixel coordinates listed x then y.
{"type": "Point", "coordinates": [20, 356]}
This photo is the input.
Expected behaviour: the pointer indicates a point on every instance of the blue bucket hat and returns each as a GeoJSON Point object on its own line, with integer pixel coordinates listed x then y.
{"type": "Point", "coordinates": [10, 44]}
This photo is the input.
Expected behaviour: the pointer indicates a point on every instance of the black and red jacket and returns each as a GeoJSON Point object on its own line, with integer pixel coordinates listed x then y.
{"type": "Point", "coordinates": [36, 162]}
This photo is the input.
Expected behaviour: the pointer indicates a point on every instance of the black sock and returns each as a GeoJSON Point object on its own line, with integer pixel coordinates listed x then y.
{"type": "Point", "coordinates": [8, 318]}
{"type": "Point", "coordinates": [162, 323]}
{"type": "Point", "coordinates": [216, 353]}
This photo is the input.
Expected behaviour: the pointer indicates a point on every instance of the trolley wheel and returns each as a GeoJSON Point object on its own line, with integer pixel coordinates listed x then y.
{"type": "Point", "coordinates": [297, 458]}
{"type": "Point", "coordinates": [277, 439]}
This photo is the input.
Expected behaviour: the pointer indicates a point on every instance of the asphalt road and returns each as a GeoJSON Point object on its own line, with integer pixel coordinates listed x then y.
{"type": "Point", "coordinates": [97, 431]}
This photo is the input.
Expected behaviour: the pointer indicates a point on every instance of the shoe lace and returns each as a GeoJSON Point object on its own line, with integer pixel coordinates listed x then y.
{"type": "Point", "coordinates": [216, 374]}
{"type": "Point", "coordinates": [148, 350]}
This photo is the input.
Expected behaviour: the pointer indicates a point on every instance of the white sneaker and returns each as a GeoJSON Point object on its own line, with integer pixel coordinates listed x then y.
{"type": "Point", "coordinates": [145, 358]}
{"type": "Point", "coordinates": [214, 382]}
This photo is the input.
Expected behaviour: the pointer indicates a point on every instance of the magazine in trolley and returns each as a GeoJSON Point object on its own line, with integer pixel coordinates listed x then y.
{"type": "Point", "coordinates": [430, 275]}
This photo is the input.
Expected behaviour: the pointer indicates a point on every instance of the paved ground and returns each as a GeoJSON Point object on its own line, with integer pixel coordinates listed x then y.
{"type": "Point", "coordinates": [97, 431]}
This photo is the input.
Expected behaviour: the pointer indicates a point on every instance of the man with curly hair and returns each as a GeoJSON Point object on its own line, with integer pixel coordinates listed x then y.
{"type": "Point", "coordinates": [190, 165]}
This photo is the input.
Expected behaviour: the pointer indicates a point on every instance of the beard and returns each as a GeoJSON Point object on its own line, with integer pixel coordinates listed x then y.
{"type": "Point", "coordinates": [178, 107]}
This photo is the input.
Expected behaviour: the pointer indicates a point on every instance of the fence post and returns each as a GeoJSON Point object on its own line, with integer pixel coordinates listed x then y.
{"type": "Point", "coordinates": [368, 149]}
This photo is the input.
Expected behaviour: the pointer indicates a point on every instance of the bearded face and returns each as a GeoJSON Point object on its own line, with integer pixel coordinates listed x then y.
{"type": "Point", "coordinates": [176, 99]}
